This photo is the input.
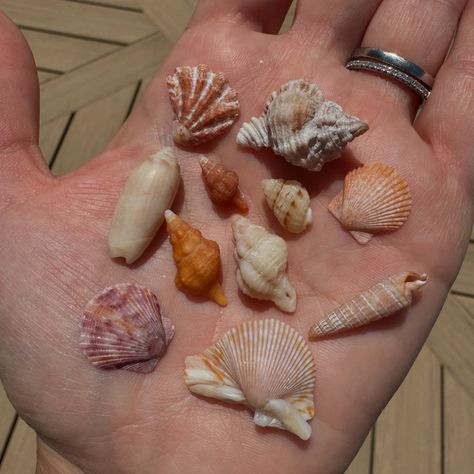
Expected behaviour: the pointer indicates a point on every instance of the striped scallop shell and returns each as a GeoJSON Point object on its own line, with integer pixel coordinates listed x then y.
{"type": "Point", "coordinates": [123, 328]}
{"type": "Point", "coordinates": [204, 104]}
{"type": "Point", "coordinates": [263, 364]}
{"type": "Point", "coordinates": [375, 198]}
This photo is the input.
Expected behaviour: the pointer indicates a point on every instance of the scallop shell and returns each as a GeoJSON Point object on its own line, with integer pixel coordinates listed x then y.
{"type": "Point", "coordinates": [387, 297]}
{"type": "Point", "coordinates": [262, 259]}
{"type": "Point", "coordinates": [301, 126]}
{"type": "Point", "coordinates": [223, 185]}
{"type": "Point", "coordinates": [204, 104]}
{"type": "Point", "coordinates": [265, 365]}
{"type": "Point", "coordinates": [198, 260]}
{"type": "Point", "coordinates": [375, 198]}
{"type": "Point", "coordinates": [123, 328]}
{"type": "Point", "coordinates": [289, 201]}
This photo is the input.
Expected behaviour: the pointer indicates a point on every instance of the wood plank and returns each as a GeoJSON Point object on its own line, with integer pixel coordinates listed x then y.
{"type": "Point", "coordinates": [44, 76]}
{"type": "Point", "coordinates": [361, 463]}
{"type": "Point", "coordinates": [467, 302]}
{"type": "Point", "coordinates": [288, 22]}
{"type": "Point", "coordinates": [20, 457]}
{"type": "Point", "coordinates": [465, 281]}
{"type": "Point", "coordinates": [7, 417]}
{"type": "Point", "coordinates": [408, 432]}
{"type": "Point", "coordinates": [50, 135]}
{"type": "Point", "coordinates": [472, 233]}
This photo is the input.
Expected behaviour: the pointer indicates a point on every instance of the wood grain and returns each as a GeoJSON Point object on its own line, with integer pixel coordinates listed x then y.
{"type": "Point", "coordinates": [20, 456]}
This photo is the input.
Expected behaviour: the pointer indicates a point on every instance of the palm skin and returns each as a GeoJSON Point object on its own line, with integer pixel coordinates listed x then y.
{"type": "Point", "coordinates": [54, 259]}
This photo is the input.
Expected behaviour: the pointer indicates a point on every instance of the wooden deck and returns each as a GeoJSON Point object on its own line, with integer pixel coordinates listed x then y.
{"type": "Point", "coordinates": [80, 48]}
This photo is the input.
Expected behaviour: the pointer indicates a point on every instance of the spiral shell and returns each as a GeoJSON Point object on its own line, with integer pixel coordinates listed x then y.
{"type": "Point", "coordinates": [265, 365]}
{"type": "Point", "coordinates": [204, 104]}
{"type": "Point", "coordinates": [123, 328]}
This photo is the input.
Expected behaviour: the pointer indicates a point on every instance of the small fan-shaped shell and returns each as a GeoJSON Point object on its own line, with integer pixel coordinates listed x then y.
{"type": "Point", "coordinates": [375, 198]}
{"type": "Point", "coordinates": [380, 301]}
{"type": "Point", "coordinates": [204, 104]}
{"type": "Point", "coordinates": [123, 328]}
{"type": "Point", "coordinates": [265, 365]}
{"type": "Point", "coordinates": [289, 201]}
{"type": "Point", "coordinates": [223, 185]}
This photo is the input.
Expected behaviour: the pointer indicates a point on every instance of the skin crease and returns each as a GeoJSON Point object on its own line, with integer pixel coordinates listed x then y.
{"type": "Point", "coordinates": [53, 249]}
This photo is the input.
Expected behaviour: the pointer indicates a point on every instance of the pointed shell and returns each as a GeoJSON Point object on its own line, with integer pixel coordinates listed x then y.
{"type": "Point", "coordinates": [387, 297]}
{"type": "Point", "coordinates": [263, 364]}
{"type": "Point", "coordinates": [262, 259]}
{"type": "Point", "coordinates": [375, 198]}
{"type": "Point", "coordinates": [289, 201]}
{"type": "Point", "coordinates": [123, 328]}
{"type": "Point", "coordinates": [204, 104]}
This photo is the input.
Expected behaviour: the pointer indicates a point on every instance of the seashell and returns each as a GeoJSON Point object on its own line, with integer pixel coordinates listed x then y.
{"type": "Point", "coordinates": [123, 328]}
{"type": "Point", "coordinates": [198, 260]}
{"type": "Point", "coordinates": [375, 198]}
{"type": "Point", "coordinates": [301, 126]}
{"type": "Point", "coordinates": [265, 365]}
{"type": "Point", "coordinates": [262, 259]}
{"type": "Point", "coordinates": [223, 185]}
{"type": "Point", "coordinates": [204, 104]}
{"type": "Point", "coordinates": [380, 301]}
{"type": "Point", "coordinates": [148, 192]}
{"type": "Point", "coordinates": [289, 201]}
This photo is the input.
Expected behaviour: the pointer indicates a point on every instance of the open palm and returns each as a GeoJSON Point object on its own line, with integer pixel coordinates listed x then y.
{"type": "Point", "coordinates": [53, 235]}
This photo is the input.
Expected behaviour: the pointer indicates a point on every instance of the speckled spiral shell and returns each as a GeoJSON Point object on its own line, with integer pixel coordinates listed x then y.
{"type": "Point", "coordinates": [265, 365]}
{"type": "Point", "coordinates": [204, 104]}
{"type": "Point", "coordinates": [375, 198]}
{"type": "Point", "coordinates": [384, 299]}
{"type": "Point", "coordinates": [223, 185]}
{"type": "Point", "coordinates": [198, 260]}
{"type": "Point", "coordinates": [123, 328]}
{"type": "Point", "coordinates": [301, 126]}
{"type": "Point", "coordinates": [262, 259]}
{"type": "Point", "coordinates": [289, 201]}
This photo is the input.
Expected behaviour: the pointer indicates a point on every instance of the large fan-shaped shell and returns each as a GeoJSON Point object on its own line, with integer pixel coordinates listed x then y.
{"type": "Point", "coordinates": [263, 364]}
{"type": "Point", "coordinates": [123, 328]}
{"type": "Point", "coordinates": [204, 104]}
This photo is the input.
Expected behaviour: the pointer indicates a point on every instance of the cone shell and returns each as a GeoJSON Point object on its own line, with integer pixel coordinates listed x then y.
{"type": "Point", "coordinates": [223, 185]}
{"type": "Point", "coordinates": [123, 328]}
{"type": "Point", "coordinates": [262, 259]}
{"type": "Point", "coordinates": [204, 104]}
{"type": "Point", "coordinates": [301, 126]}
{"type": "Point", "coordinates": [265, 365]}
{"type": "Point", "coordinates": [289, 201]}
{"type": "Point", "coordinates": [375, 198]}
{"type": "Point", "coordinates": [384, 299]}
{"type": "Point", "coordinates": [198, 260]}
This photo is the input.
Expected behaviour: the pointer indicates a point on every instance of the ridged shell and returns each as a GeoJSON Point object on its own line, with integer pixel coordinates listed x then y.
{"type": "Point", "coordinates": [375, 198]}
{"type": "Point", "coordinates": [204, 104]}
{"type": "Point", "coordinates": [123, 328]}
{"type": "Point", "coordinates": [265, 365]}
{"type": "Point", "coordinates": [262, 259]}
{"type": "Point", "coordinates": [223, 185]}
{"type": "Point", "coordinates": [301, 126]}
{"type": "Point", "coordinates": [380, 301]}
{"type": "Point", "coordinates": [198, 260]}
{"type": "Point", "coordinates": [289, 201]}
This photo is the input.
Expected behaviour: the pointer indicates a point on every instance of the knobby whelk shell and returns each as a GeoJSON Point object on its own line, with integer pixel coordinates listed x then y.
{"type": "Point", "coordinates": [382, 300]}
{"type": "Point", "coordinates": [204, 104]}
{"type": "Point", "coordinates": [301, 126]}
{"type": "Point", "coordinates": [265, 365]}
{"type": "Point", "coordinates": [289, 201]}
{"type": "Point", "coordinates": [262, 259]}
{"type": "Point", "coordinates": [198, 260]}
{"type": "Point", "coordinates": [123, 328]}
{"type": "Point", "coordinates": [148, 192]}
{"type": "Point", "coordinates": [375, 198]}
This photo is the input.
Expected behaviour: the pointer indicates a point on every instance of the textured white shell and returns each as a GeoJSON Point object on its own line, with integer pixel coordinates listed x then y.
{"type": "Point", "coordinates": [289, 201]}
{"type": "Point", "coordinates": [263, 364]}
{"type": "Point", "coordinates": [262, 259]}
{"type": "Point", "coordinates": [301, 126]}
{"type": "Point", "coordinates": [148, 192]}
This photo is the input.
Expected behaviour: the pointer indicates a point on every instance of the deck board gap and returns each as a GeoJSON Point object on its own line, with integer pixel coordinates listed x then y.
{"type": "Point", "coordinates": [462, 293]}
{"type": "Point", "coordinates": [442, 454]}
{"type": "Point", "coordinates": [7, 441]}
{"type": "Point", "coordinates": [98, 3]}
{"type": "Point", "coordinates": [52, 71]}
{"type": "Point", "coordinates": [372, 449]}
{"type": "Point", "coordinates": [61, 140]}
{"type": "Point", "coordinates": [134, 99]}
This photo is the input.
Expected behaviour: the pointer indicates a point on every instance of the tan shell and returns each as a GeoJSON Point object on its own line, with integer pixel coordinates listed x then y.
{"type": "Point", "coordinates": [289, 201]}
{"type": "Point", "coordinates": [265, 365]}
{"type": "Point", "coordinates": [380, 301]}
{"type": "Point", "coordinates": [375, 198]}
{"type": "Point", "coordinates": [204, 104]}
